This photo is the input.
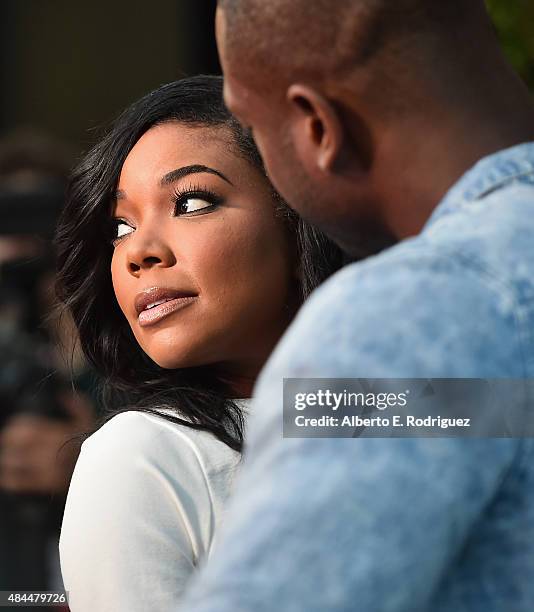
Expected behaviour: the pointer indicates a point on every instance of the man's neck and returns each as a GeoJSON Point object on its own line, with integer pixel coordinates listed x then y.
{"type": "Point", "coordinates": [440, 153]}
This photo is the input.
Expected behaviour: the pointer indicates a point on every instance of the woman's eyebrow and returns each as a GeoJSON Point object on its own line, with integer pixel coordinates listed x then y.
{"type": "Point", "coordinates": [179, 173]}
{"type": "Point", "coordinates": [176, 175]}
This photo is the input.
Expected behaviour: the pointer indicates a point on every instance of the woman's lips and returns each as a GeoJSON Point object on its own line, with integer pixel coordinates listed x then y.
{"type": "Point", "coordinates": [156, 313]}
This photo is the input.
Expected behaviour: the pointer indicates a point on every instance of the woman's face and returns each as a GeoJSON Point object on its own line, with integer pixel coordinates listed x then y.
{"type": "Point", "coordinates": [202, 268]}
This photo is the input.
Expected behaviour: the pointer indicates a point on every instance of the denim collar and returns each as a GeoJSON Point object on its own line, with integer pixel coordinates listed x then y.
{"type": "Point", "coordinates": [487, 175]}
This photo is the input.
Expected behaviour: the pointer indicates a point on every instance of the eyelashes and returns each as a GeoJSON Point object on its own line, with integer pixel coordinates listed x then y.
{"type": "Point", "coordinates": [189, 202]}
{"type": "Point", "coordinates": [195, 200]}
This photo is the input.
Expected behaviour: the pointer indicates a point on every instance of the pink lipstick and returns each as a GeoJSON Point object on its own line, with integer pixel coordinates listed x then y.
{"type": "Point", "coordinates": [156, 303]}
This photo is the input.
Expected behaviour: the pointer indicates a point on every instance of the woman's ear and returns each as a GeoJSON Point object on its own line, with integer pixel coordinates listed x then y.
{"type": "Point", "coordinates": [316, 128]}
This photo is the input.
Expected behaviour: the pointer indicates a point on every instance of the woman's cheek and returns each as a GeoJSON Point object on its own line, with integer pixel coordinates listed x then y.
{"type": "Point", "coordinates": [217, 255]}
{"type": "Point", "coordinates": [121, 284]}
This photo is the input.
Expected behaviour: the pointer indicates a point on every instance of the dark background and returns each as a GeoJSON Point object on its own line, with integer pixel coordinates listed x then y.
{"type": "Point", "coordinates": [69, 67]}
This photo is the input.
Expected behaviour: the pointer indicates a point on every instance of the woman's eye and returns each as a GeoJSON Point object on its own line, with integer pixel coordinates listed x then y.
{"type": "Point", "coordinates": [122, 229]}
{"type": "Point", "coordinates": [189, 205]}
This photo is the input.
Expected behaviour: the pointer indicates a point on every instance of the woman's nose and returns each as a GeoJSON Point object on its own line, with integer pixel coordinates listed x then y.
{"type": "Point", "coordinates": [146, 251]}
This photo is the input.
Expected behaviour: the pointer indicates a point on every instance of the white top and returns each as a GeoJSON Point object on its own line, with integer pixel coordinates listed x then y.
{"type": "Point", "coordinates": [142, 510]}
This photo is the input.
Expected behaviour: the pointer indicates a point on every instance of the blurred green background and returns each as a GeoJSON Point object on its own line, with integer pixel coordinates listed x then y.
{"type": "Point", "coordinates": [514, 20]}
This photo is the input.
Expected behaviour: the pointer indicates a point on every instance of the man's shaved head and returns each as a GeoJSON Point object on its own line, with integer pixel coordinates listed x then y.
{"type": "Point", "coordinates": [318, 37]}
{"type": "Point", "coordinates": [361, 108]}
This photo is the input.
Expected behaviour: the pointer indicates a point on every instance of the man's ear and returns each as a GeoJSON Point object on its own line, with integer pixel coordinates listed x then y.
{"type": "Point", "coordinates": [317, 128]}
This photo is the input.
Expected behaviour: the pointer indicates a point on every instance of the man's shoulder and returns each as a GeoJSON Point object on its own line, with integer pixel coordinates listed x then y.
{"type": "Point", "coordinates": [425, 307]}
{"type": "Point", "coordinates": [493, 233]}
{"type": "Point", "coordinates": [422, 270]}
{"type": "Point", "coordinates": [482, 250]}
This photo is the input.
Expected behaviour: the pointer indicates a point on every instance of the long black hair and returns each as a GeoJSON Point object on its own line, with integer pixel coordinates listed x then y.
{"type": "Point", "coordinates": [196, 396]}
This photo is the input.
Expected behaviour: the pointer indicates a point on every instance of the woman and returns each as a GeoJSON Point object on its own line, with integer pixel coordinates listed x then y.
{"type": "Point", "coordinates": [182, 268]}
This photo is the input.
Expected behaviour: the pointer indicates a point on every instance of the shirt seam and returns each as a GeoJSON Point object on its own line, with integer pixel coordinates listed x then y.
{"type": "Point", "coordinates": [192, 446]}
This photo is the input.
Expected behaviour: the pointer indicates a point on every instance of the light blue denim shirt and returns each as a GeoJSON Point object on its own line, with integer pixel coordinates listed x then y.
{"type": "Point", "coordinates": [397, 525]}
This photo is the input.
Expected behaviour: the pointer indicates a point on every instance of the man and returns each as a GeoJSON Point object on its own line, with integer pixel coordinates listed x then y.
{"type": "Point", "coordinates": [380, 119]}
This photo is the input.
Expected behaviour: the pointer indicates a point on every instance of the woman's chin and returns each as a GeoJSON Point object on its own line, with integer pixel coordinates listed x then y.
{"type": "Point", "coordinates": [174, 362]}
